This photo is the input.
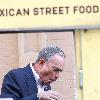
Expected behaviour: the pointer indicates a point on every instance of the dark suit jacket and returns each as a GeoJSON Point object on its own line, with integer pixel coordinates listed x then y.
{"type": "Point", "coordinates": [20, 84]}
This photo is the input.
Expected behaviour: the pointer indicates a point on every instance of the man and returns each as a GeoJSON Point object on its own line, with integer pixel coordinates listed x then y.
{"type": "Point", "coordinates": [33, 81]}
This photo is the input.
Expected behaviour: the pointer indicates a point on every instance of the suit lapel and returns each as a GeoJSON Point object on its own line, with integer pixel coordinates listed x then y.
{"type": "Point", "coordinates": [30, 82]}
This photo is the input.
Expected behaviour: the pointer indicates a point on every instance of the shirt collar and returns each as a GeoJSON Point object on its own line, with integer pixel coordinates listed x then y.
{"type": "Point", "coordinates": [37, 77]}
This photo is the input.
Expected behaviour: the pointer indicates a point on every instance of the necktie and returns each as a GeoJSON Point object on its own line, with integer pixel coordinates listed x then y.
{"type": "Point", "coordinates": [41, 83]}
{"type": "Point", "coordinates": [46, 88]}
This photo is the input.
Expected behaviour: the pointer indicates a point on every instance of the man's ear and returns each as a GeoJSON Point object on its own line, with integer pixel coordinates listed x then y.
{"type": "Point", "coordinates": [41, 62]}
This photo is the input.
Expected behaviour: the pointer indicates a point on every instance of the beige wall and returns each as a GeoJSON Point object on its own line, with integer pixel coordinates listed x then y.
{"type": "Point", "coordinates": [8, 53]}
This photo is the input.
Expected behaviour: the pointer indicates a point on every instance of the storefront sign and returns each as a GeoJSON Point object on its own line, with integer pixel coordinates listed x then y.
{"type": "Point", "coordinates": [44, 14]}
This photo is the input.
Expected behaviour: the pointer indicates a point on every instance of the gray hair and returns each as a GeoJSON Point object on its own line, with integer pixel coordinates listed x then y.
{"type": "Point", "coordinates": [49, 51]}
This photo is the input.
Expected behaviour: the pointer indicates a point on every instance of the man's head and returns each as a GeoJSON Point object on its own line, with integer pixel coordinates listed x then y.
{"type": "Point", "coordinates": [49, 63]}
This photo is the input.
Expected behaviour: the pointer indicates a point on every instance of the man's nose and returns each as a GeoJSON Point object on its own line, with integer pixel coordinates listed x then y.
{"type": "Point", "coordinates": [57, 76]}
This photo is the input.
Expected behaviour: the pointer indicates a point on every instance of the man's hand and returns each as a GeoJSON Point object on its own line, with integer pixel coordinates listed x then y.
{"type": "Point", "coordinates": [49, 95]}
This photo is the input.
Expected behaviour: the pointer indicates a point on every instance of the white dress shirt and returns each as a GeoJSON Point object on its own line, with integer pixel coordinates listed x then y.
{"type": "Point", "coordinates": [39, 86]}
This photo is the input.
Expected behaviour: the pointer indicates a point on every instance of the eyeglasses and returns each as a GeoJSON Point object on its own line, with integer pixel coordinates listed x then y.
{"type": "Point", "coordinates": [56, 69]}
